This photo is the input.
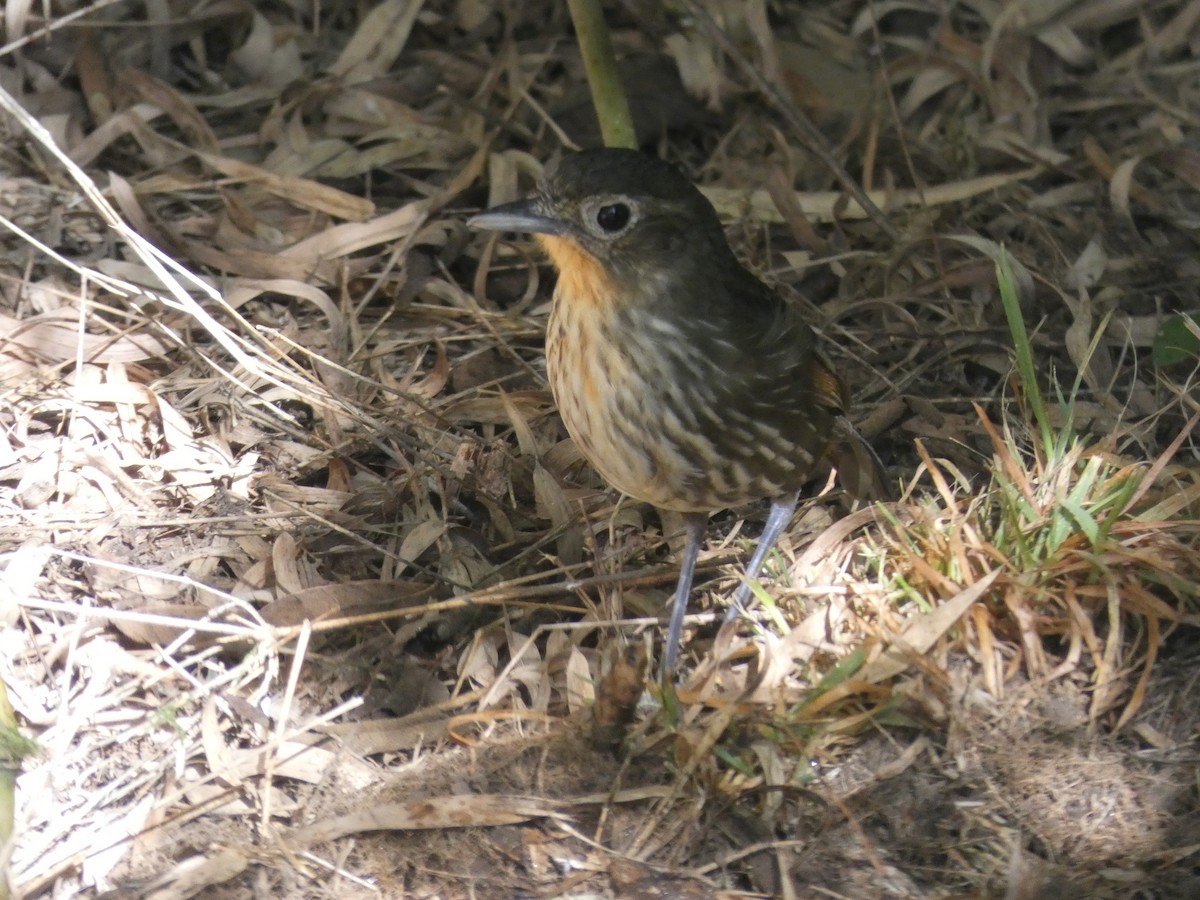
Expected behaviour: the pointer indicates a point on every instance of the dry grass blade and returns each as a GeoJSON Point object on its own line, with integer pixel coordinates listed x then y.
{"type": "Point", "coordinates": [922, 633]}
{"type": "Point", "coordinates": [435, 812]}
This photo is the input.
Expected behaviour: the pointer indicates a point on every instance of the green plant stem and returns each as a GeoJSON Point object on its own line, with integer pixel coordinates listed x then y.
{"type": "Point", "coordinates": [12, 747]}
{"type": "Point", "coordinates": [1023, 350]}
{"type": "Point", "coordinates": [600, 63]}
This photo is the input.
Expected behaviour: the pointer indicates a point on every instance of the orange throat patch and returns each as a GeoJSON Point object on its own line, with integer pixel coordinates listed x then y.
{"type": "Point", "coordinates": [582, 280]}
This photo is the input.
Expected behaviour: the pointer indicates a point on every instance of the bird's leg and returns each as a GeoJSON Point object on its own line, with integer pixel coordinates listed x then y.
{"type": "Point", "coordinates": [782, 509]}
{"type": "Point", "coordinates": [694, 525]}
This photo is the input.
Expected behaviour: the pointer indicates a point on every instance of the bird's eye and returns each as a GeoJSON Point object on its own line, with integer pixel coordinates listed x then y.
{"type": "Point", "coordinates": [613, 217]}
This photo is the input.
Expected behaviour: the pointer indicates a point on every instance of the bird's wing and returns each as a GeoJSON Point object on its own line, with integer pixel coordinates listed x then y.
{"type": "Point", "coordinates": [777, 347]}
{"type": "Point", "coordinates": [797, 388]}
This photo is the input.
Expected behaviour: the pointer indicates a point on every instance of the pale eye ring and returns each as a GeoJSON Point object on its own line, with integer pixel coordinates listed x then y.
{"type": "Point", "coordinates": [613, 217]}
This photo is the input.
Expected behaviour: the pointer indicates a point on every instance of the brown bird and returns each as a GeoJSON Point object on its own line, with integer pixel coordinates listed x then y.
{"type": "Point", "coordinates": [683, 379]}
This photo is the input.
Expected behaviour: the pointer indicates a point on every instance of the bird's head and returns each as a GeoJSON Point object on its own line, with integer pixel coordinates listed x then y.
{"type": "Point", "coordinates": [633, 214]}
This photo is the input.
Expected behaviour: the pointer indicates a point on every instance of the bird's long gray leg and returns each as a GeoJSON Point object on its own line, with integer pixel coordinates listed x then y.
{"type": "Point", "coordinates": [782, 509]}
{"type": "Point", "coordinates": [694, 525]}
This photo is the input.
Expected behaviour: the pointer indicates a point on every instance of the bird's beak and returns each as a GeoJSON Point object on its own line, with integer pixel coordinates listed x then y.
{"type": "Point", "coordinates": [521, 216]}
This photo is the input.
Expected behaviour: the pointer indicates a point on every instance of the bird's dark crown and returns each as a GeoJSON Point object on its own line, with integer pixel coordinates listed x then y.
{"type": "Point", "coordinates": [628, 209]}
{"type": "Point", "coordinates": [617, 171]}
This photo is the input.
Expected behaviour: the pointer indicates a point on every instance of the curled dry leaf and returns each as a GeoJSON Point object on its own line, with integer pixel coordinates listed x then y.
{"type": "Point", "coordinates": [324, 602]}
{"type": "Point", "coordinates": [54, 337]}
{"type": "Point", "coordinates": [380, 38]}
{"type": "Point", "coordinates": [268, 55]}
{"type": "Point", "coordinates": [163, 624]}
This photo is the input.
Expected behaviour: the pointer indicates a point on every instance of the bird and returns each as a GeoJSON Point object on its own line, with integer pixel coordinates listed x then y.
{"type": "Point", "coordinates": [684, 380]}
